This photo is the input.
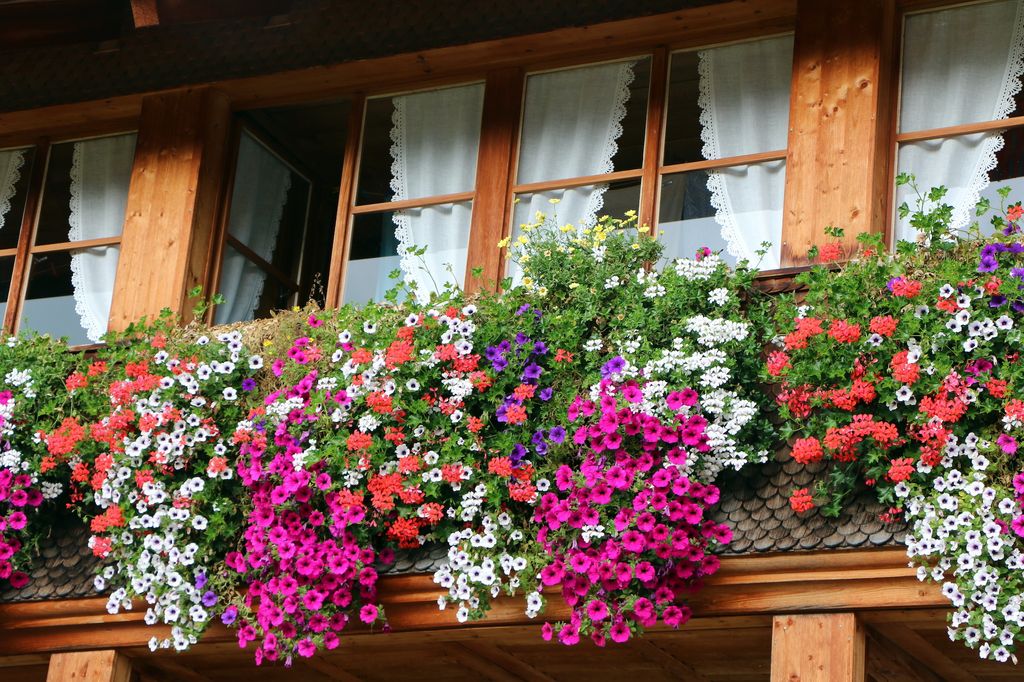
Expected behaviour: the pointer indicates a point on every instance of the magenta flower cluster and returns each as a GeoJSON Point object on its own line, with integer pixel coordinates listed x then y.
{"type": "Point", "coordinates": [626, 530]}
{"type": "Point", "coordinates": [307, 568]}
{"type": "Point", "coordinates": [16, 494]}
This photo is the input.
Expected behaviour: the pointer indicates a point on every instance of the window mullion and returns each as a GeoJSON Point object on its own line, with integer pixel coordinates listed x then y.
{"type": "Point", "coordinates": [653, 136]}
{"type": "Point", "coordinates": [346, 200]}
{"type": "Point", "coordinates": [19, 275]}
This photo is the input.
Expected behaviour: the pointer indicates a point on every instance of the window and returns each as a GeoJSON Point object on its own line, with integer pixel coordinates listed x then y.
{"type": "Point", "coordinates": [723, 173]}
{"type": "Point", "coordinates": [960, 122]}
{"type": "Point", "coordinates": [703, 132]}
{"type": "Point", "coordinates": [280, 220]}
{"type": "Point", "coordinates": [62, 210]}
{"type": "Point", "coordinates": [415, 189]}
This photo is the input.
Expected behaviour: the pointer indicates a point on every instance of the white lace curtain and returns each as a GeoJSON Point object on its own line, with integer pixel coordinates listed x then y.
{"type": "Point", "coordinates": [100, 173]}
{"type": "Point", "coordinates": [961, 65]}
{"type": "Point", "coordinates": [572, 121]}
{"type": "Point", "coordinates": [11, 161]}
{"type": "Point", "coordinates": [258, 197]}
{"type": "Point", "coordinates": [744, 102]}
{"type": "Point", "coordinates": [435, 136]}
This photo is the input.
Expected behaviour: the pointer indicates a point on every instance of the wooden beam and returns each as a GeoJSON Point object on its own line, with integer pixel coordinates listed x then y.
{"type": "Point", "coordinates": [173, 199]}
{"type": "Point", "coordinates": [145, 13]}
{"type": "Point", "coordinates": [817, 648]}
{"type": "Point", "coordinates": [89, 666]}
{"type": "Point", "coordinates": [686, 28]}
{"type": "Point", "coordinates": [838, 164]}
{"type": "Point", "coordinates": [922, 652]}
{"type": "Point", "coordinates": [503, 105]}
{"type": "Point", "coordinates": [744, 586]}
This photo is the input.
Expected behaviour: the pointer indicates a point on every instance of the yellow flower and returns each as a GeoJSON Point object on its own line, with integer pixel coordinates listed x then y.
{"type": "Point", "coordinates": [523, 239]}
{"type": "Point", "coordinates": [296, 308]}
{"type": "Point", "coordinates": [503, 243]}
{"type": "Point", "coordinates": [644, 229]}
{"type": "Point", "coordinates": [573, 285]}
{"type": "Point", "coordinates": [553, 201]}
{"type": "Point", "coordinates": [539, 216]}
{"type": "Point", "coordinates": [267, 343]}
{"type": "Point", "coordinates": [527, 281]}
{"type": "Point", "coordinates": [634, 246]}
{"type": "Point", "coordinates": [524, 258]}
{"type": "Point", "coordinates": [542, 292]}
{"type": "Point", "coordinates": [566, 229]}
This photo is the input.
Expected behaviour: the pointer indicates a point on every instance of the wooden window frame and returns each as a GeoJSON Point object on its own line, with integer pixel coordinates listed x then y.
{"type": "Point", "coordinates": [224, 239]}
{"type": "Point", "coordinates": [906, 9]}
{"type": "Point", "coordinates": [28, 227]}
{"type": "Point", "coordinates": [496, 186]}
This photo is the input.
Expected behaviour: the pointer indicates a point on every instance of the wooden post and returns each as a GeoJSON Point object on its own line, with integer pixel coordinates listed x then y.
{"type": "Point", "coordinates": [173, 202]}
{"type": "Point", "coordinates": [838, 165]}
{"type": "Point", "coordinates": [492, 205]}
{"type": "Point", "coordinates": [89, 666]}
{"type": "Point", "coordinates": [827, 647]}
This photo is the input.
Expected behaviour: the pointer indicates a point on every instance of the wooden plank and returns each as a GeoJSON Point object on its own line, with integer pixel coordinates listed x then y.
{"type": "Point", "coordinates": [886, 663]}
{"type": "Point", "coordinates": [654, 134]}
{"type": "Point", "coordinates": [503, 105]}
{"type": "Point", "coordinates": [145, 13]}
{"type": "Point", "coordinates": [673, 667]}
{"type": "Point", "coordinates": [922, 652]}
{"type": "Point", "coordinates": [346, 199]}
{"type": "Point", "coordinates": [19, 276]}
{"type": "Point", "coordinates": [89, 666]}
{"type": "Point", "coordinates": [481, 666]}
{"type": "Point", "coordinates": [330, 668]}
{"type": "Point", "coordinates": [838, 162]}
{"type": "Point", "coordinates": [173, 203]}
{"type": "Point", "coordinates": [514, 665]}
{"type": "Point", "coordinates": [817, 648]}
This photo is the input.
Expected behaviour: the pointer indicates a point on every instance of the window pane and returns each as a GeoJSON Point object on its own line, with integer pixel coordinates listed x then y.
{"type": "Point", "coordinates": [69, 293]}
{"type": "Point", "coordinates": [729, 101]}
{"type": "Point", "coordinates": [284, 206]}
{"type": "Point", "coordinates": [959, 65]}
{"type": "Point", "coordinates": [268, 216]}
{"type": "Point", "coordinates": [15, 171]}
{"type": "Point", "coordinates": [6, 272]}
{"type": "Point", "coordinates": [376, 246]}
{"type": "Point", "coordinates": [954, 163]}
{"type": "Point", "coordinates": [749, 212]}
{"type": "Point", "coordinates": [580, 206]}
{"type": "Point", "coordinates": [584, 121]}
{"type": "Point", "coordinates": [257, 292]}
{"type": "Point", "coordinates": [420, 145]}
{"type": "Point", "coordinates": [86, 189]}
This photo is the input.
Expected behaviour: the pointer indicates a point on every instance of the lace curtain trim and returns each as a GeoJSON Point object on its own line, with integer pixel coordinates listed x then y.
{"type": "Point", "coordinates": [94, 327]}
{"type": "Point", "coordinates": [993, 143]}
{"type": "Point", "coordinates": [399, 165]}
{"type": "Point", "coordinates": [610, 146]}
{"type": "Point", "coordinates": [7, 183]}
{"type": "Point", "coordinates": [709, 136]}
